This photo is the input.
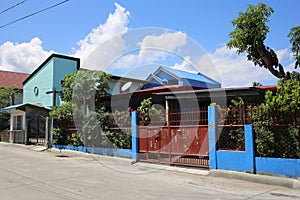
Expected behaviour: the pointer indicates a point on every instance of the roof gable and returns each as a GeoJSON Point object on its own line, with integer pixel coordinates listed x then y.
{"type": "Point", "coordinates": [183, 75]}
{"type": "Point", "coordinates": [8, 78]}
{"type": "Point", "coordinates": [47, 60]}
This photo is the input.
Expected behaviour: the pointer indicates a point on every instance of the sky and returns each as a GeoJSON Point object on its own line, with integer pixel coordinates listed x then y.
{"type": "Point", "coordinates": [131, 38]}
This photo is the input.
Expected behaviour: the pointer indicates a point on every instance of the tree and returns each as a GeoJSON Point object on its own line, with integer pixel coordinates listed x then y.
{"type": "Point", "coordinates": [5, 95]}
{"type": "Point", "coordinates": [277, 120]}
{"type": "Point", "coordinates": [81, 89]}
{"type": "Point", "coordinates": [254, 84]}
{"type": "Point", "coordinates": [249, 34]}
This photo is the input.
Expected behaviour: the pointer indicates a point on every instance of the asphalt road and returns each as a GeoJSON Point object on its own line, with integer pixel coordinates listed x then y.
{"type": "Point", "coordinates": [27, 174]}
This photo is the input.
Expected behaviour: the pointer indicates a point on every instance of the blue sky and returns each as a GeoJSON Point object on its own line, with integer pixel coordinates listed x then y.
{"type": "Point", "coordinates": [77, 27]}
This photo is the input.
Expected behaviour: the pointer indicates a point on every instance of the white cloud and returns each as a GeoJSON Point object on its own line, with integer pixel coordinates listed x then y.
{"type": "Point", "coordinates": [153, 49]}
{"type": "Point", "coordinates": [115, 24]}
{"type": "Point", "coordinates": [22, 57]}
{"type": "Point", "coordinates": [235, 70]}
{"type": "Point", "coordinates": [185, 65]}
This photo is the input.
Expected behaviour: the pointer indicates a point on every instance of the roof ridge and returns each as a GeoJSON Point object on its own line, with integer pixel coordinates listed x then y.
{"type": "Point", "coordinates": [14, 72]}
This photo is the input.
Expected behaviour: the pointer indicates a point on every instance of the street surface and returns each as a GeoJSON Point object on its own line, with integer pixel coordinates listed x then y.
{"type": "Point", "coordinates": [30, 175]}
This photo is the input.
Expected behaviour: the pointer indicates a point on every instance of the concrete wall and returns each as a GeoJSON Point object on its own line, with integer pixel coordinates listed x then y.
{"type": "Point", "coordinates": [246, 161]}
{"type": "Point", "coordinates": [278, 166]}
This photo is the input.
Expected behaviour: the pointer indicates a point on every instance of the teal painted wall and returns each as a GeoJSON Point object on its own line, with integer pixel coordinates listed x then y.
{"type": "Point", "coordinates": [49, 76]}
{"type": "Point", "coordinates": [61, 68]}
{"type": "Point", "coordinates": [43, 80]}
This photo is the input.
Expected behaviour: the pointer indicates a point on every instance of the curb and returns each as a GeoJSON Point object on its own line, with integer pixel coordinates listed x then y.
{"type": "Point", "coordinates": [270, 180]}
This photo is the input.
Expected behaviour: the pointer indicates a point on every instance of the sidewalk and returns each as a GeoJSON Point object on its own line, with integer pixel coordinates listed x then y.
{"type": "Point", "coordinates": [264, 179]}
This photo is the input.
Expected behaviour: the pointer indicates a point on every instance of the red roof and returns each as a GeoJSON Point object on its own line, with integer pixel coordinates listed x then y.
{"type": "Point", "coordinates": [272, 88]}
{"type": "Point", "coordinates": [12, 78]}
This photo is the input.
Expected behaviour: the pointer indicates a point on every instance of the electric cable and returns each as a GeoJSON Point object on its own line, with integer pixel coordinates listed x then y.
{"type": "Point", "coordinates": [32, 14]}
{"type": "Point", "coordinates": [3, 11]}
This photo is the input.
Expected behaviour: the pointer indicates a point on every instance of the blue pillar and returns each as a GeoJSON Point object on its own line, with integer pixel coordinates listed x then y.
{"type": "Point", "coordinates": [249, 147]}
{"type": "Point", "coordinates": [212, 136]}
{"type": "Point", "coordinates": [135, 135]}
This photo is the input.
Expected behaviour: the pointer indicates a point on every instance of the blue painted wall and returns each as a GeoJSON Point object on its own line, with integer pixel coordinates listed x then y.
{"type": "Point", "coordinates": [46, 77]}
{"type": "Point", "coordinates": [232, 160]}
{"type": "Point", "coordinates": [278, 166]}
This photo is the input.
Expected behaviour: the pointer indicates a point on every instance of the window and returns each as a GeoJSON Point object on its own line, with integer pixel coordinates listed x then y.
{"type": "Point", "coordinates": [17, 122]}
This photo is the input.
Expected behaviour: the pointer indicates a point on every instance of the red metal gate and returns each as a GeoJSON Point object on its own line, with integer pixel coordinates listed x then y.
{"type": "Point", "coordinates": [183, 143]}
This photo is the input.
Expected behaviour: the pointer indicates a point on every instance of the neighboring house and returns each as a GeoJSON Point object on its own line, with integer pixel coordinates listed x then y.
{"type": "Point", "coordinates": [8, 78]}
{"type": "Point", "coordinates": [41, 88]}
{"type": "Point", "coordinates": [121, 85]}
{"type": "Point", "coordinates": [170, 76]}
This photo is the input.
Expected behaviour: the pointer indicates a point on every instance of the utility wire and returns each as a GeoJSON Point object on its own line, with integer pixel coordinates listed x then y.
{"type": "Point", "coordinates": [30, 15]}
{"type": "Point", "coordinates": [3, 11]}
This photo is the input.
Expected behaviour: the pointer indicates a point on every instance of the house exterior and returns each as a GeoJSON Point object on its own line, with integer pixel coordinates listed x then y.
{"type": "Point", "coordinates": [8, 78]}
{"type": "Point", "coordinates": [170, 76]}
{"type": "Point", "coordinates": [29, 119]}
{"type": "Point", "coordinates": [42, 88]}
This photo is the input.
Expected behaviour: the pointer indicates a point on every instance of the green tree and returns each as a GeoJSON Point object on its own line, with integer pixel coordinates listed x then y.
{"type": "Point", "coordinates": [150, 113]}
{"type": "Point", "coordinates": [5, 98]}
{"type": "Point", "coordinates": [277, 120]}
{"type": "Point", "coordinates": [249, 35]}
{"type": "Point", "coordinates": [80, 91]}
{"type": "Point", "coordinates": [254, 84]}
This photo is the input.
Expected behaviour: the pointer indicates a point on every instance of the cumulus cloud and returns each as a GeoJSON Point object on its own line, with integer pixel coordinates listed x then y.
{"type": "Point", "coordinates": [153, 48]}
{"type": "Point", "coordinates": [116, 24]}
{"type": "Point", "coordinates": [22, 57]}
{"type": "Point", "coordinates": [234, 70]}
{"type": "Point", "coordinates": [185, 65]}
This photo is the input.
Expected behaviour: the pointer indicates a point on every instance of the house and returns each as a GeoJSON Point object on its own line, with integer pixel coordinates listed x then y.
{"type": "Point", "coordinates": [29, 120]}
{"type": "Point", "coordinates": [42, 88]}
{"type": "Point", "coordinates": [8, 78]}
{"type": "Point", "coordinates": [171, 76]}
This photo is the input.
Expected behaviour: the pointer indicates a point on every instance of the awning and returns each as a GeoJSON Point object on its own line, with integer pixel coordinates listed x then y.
{"type": "Point", "coordinates": [21, 107]}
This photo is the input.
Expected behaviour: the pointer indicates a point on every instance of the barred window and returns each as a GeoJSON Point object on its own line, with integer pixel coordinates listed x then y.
{"type": "Point", "coordinates": [17, 122]}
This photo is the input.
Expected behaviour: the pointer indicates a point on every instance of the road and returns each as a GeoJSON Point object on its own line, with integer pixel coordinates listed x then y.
{"type": "Point", "coordinates": [27, 174]}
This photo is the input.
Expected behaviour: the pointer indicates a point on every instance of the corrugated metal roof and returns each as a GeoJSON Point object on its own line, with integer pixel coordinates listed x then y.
{"type": "Point", "coordinates": [12, 78]}
{"type": "Point", "coordinates": [192, 76]}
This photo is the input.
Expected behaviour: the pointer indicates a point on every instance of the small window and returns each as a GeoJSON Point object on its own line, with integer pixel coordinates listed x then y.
{"type": "Point", "coordinates": [17, 122]}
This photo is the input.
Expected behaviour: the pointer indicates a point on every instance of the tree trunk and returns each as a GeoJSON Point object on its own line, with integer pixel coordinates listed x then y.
{"type": "Point", "coordinates": [267, 61]}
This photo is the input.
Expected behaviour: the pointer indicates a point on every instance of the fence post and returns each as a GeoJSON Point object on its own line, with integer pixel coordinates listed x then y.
{"type": "Point", "coordinates": [135, 134]}
{"type": "Point", "coordinates": [212, 136]}
{"type": "Point", "coordinates": [249, 147]}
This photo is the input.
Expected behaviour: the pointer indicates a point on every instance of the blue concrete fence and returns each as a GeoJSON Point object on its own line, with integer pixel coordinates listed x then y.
{"type": "Point", "coordinates": [129, 153]}
{"type": "Point", "coordinates": [246, 161]}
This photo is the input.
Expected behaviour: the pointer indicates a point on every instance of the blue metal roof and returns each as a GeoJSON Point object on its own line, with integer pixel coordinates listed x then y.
{"type": "Point", "coordinates": [191, 76]}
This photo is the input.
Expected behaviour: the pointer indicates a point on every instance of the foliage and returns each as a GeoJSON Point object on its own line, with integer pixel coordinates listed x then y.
{"type": "Point", "coordinates": [294, 36]}
{"type": "Point", "coordinates": [231, 137]}
{"type": "Point", "coordinates": [254, 84]}
{"type": "Point", "coordinates": [249, 35]}
{"type": "Point", "coordinates": [64, 137]}
{"type": "Point", "coordinates": [277, 121]}
{"type": "Point", "coordinates": [64, 111]}
{"type": "Point", "coordinates": [81, 90]}
{"type": "Point", "coordinates": [102, 130]}
{"type": "Point", "coordinates": [5, 95]}
{"type": "Point", "coordinates": [148, 112]}
{"type": "Point", "coordinates": [59, 137]}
